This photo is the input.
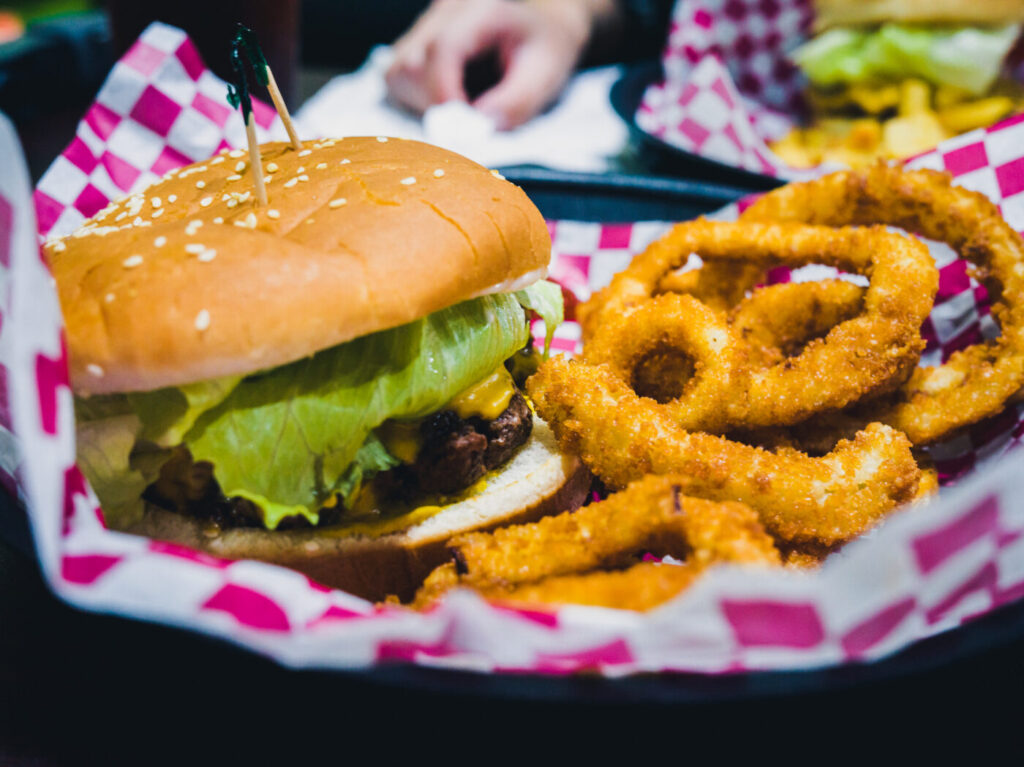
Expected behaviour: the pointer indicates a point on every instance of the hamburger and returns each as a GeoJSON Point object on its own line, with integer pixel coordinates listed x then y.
{"type": "Point", "coordinates": [330, 382]}
{"type": "Point", "coordinates": [893, 78]}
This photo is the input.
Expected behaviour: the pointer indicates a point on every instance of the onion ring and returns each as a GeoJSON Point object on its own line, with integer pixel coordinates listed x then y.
{"type": "Point", "coordinates": [868, 354]}
{"type": "Point", "coordinates": [552, 560]}
{"type": "Point", "coordinates": [976, 382]}
{"type": "Point", "coordinates": [685, 325]}
{"type": "Point", "coordinates": [799, 499]}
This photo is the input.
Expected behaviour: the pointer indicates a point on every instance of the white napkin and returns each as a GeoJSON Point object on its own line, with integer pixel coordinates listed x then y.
{"type": "Point", "coordinates": [580, 132]}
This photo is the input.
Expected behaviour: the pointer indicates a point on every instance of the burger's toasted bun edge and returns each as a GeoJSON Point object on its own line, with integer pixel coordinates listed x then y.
{"type": "Point", "coordinates": [191, 280]}
{"type": "Point", "coordinates": [537, 481]}
{"type": "Point", "coordinates": [835, 13]}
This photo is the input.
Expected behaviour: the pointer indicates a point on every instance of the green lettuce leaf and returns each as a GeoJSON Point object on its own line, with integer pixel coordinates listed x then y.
{"type": "Point", "coordinates": [968, 58]}
{"type": "Point", "coordinates": [104, 455]}
{"type": "Point", "coordinates": [168, 414]}
{"type": "Point", "coordinates": [545, 298]}
{"type": "Point", "coordinates": [289, 436]}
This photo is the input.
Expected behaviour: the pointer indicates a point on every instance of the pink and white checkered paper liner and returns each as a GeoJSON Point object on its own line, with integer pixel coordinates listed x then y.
{"type": "Point", "coordinates": [922, 572]}
{"type": "Point", "coordinates": [729, 86]}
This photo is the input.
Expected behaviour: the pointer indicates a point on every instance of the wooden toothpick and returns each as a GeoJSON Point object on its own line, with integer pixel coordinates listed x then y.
{"type": "Point", "coordinates": [238, 97]}
{"type": "Point", "coordinates": [247, 38]}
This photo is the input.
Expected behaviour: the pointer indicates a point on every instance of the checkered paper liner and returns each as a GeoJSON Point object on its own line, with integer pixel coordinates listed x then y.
{"type": "Point", "coordinates": [729, 87]}
{"type": "Point", "coordinates": [922, 572]}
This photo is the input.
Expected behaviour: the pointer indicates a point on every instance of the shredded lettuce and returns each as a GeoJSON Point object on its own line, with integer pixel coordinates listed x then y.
{"type": "Point", "coordinates": [969, 58]}
{"type": "Point", "coordinates": [290, 437]}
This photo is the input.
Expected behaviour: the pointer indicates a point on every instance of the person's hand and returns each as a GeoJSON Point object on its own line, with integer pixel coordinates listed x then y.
{"type": "Point", "coordinates": [538, 43]}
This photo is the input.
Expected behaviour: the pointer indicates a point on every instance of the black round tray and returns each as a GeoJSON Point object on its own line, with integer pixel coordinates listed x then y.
{"type": "Point", "coordinates": [142, 678]}
{"type": "Point", "coordinates": [660, 156]}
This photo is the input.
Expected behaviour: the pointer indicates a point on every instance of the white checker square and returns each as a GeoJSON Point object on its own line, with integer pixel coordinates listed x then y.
{"type": "Point", "coordinates": [63, 181]}
{"type": "Point", "coordinates": [930, 161]}
{"type": "Point", "coordinates": [646, 232]}
{"type": "Point", "coordinates": [175, 82]}
{"type": "Point", "coordinates": [1013, 210]}
{"type": "Point", "coordinates": [982, 180]}
{"type": "Point", "coordinates": [136, 144]}
{"type": "Point", "coordinates": [952, 317]}
{"type": "Point", "coordinates": [67, 222]}
{"type": "Point", "coordinates": [722, 148]}
{"type": "Point", "coordinates": [90, 139]}
{"type": "Point", "coordinates": [605, 265]}
{"type": "Point", "coordinates": [163, 37]}
{"type": "Point", "coordinates": [122, 89]}
{"type": "Point", "coordinates": [1004, 145]}
{"type": "Point", "coordinates": [100, 179]}
{"type": "Point", "coordinates": [573, 238]}
{"type": "Point", "coordinates": [194, 135]}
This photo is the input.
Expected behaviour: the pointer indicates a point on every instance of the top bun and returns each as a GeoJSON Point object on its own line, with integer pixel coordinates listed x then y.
{"type": "Point", "coordinates": [834, 13]}
{"type": "Point", "coordinates": [190, 280]}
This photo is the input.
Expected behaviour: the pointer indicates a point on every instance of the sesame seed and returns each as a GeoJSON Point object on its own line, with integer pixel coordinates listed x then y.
{"type": "Point", "coordinates": [216, 161]}
{"type": "Point", "coordinates": [310, 220]}
{"type": "Point", "coordinates": [172, 198]}
{"type": "Point", "coordinates": [321, 165]}
{"type": "Point", "coordinates": [95, 370]}
{"type": "Point", "coordinates": [193, 227]}
{"type": "Point", "coordinates": [303, 177]}
{"type": "Point", "coordinates": [305, 152]}
{"type": "Point", "coordinates": [232, 202]}
{"type": "Point", "coordinates": [337, 203]}
{"type": "Point", "coordinates": [239, 166]}
{"type": "Point", "coordinates": [225, 197]}
{"type": "Point", "coordinates": [382, 139]}
{"type": "Point", "coordinates": [109, 298]}
{"type": "Point", "coordinates": [202, 320]}
{"type": "Point", "coordinates": [157, 213]}
{"type": "Point", "coordinates": [156, 202]}
{"type": "Point", "coordinates": [59, 246]}
{"type": "Point", "coordinates": [236, 153]}
{"type": "Point", "coordinates": [132, 261]}
{"type": "Point", "coordinates": [300, 169]}
{"type": "Point", "coordinates": [497, 175]}
{"type": "Point", "coordinates": [272, 167]}
{"type": "Point", "coordinates": [195, 248]}
{"type": "Point", "coordinates": [291, 182]}
{"type": "Point", "coordinates": [137, 221]}
{"type": "Point", "coordinates": [251, 220]}
{"type": "Point", "coordinates": [438, 173]}
{"type": "Point", "coordinates": [274, 213]}
{"type": "Point", "coordinates": [218, 220]}
{"type": "Point", "coordinates": [409, 180]}
{"type": "Point", "coordinates": [346, 161]}
{"type": "Point", "coordinates": [200, 185]}
{"type": "Point", "coordinates": [122, 214]}
{"type": "Point", "coordinates": [234, 177]}
{"type": "Point", "coordinates": [205, 202]}
{"type": "Point", "coordinates": [159, 242]}
{"type": "Point", "coordinates": [207, 255]}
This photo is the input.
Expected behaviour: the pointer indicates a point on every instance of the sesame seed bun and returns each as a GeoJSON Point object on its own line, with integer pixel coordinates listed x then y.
{"type": "Point", "coordinates": [191, 280]}
{"type": "Point", "coordinates": [833, 13]}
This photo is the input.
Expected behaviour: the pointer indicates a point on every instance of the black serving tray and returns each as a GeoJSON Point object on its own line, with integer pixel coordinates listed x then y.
{"type": "Point", "coordinates": [149, 673]}
{"type": "Point", "coordinates": [660, 156]}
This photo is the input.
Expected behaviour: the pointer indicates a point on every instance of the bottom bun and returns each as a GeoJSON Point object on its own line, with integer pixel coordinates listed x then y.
{"type": "Point", "coordinates": [538, 481]}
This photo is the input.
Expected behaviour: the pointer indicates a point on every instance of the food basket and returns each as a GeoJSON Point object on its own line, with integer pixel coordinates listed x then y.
{"type": "Point", "coordinates": [921, 574]}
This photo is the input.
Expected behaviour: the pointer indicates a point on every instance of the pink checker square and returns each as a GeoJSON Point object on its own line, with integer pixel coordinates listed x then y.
{"type": "Point", "coordinates": [102, 120]}
{"type": "Point", "coordinates": [156, 111]}
{"type": "Point", "coordinates": [933, 549]}
{"type": "Point", "coordinates": [615, 236]}
{"type": "Point", "coordinates": [6, 231]}
{"type": "Point", "coordinates": [48, 210]}
{"type": "Point", "coordinates": [190, 59]}
{"type": "Point", "coordinates": [79, 155]}
{"type": "Point", "coordinates": [870, 632]}
{"type": "Point", "coordinates": [122, 173]}
{"type": "Point", "coordinates": [966, 158]}
{"type": "Point", "coordinates": [249, 607]}
{"type": "Point", "coordinates": [144, 58]}
{"type": "Point", "coordinates": [694, 131]}
{"type": "Point", "coordinates": [774, 624]}
{"type": "Point", "coordinates": [87, 568]}
{"type": "Point", "coordinates": [722, 91]}
{"type": "Point", "coordinates": [169, 159]}
{"type": "Point", "coordinates": [90, 201]}
{"type": "Point", "coordinates": [985, 580]}
{"type": "Point", "coordinates": [264, 114]}
{"type": "Point", "coordinates": [218, 113]}
{"type": "Point", "coordinates": [1011, 177]}
{"type": "Point", "coordinates": [703, 18]}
